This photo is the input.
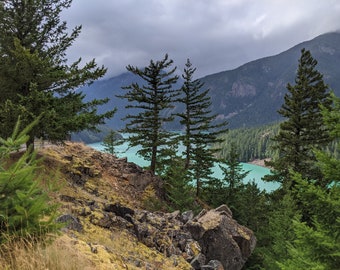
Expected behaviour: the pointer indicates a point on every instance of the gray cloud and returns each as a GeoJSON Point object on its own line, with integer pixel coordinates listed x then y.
{"type": "Point", "coordinates": [216, 35]}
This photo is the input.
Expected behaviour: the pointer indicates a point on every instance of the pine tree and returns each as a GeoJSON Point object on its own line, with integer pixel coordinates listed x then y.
{"type": "Point", "coordinates": [316, 244]}
{"type": "Point", "coordinates": [111, 141]}
{"type": "Point", "coordinates": [196, 118]}
{"type": "Point", "coordinates": [178, 188]}
{"type": "Point", "coordinates": [200, 130]}
{"type": "Point", "coordinates": [25, 208]}
{"type": "Point", "coordinates": [304, 129]}
{"type": "Point", "coordinates": [279, 232]}
{"type": "Point", "coordinates": [231, 190]}
{"type": "Point", "coordinates": [251, 207]}
{"type": "Point", "coordinates": [152, 100]}
{"type": "Point", "coordinates": [35, 76]}
{"type": "Point", "coordinates": [233, 176]}
{"type": "Point", "coordinates": [203, 161]}
{"type": "Point", "coordinates": [232, 170]}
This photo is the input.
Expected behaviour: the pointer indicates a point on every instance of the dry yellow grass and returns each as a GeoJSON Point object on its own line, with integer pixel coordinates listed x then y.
{"type": "Point", "coordinates": [117, 251]}
{"type": "Point", "coordinates": [58, 255]}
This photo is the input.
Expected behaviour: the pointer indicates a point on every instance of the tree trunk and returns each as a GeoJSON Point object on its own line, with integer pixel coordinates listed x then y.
{"type": "Point", "coordinates": [153, 159]}
{"type": "Point", "coordinates": [30, 143]}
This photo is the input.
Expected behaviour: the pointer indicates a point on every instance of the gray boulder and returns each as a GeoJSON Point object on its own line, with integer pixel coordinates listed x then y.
{"type": "Point", "coordinates": [222, 238]}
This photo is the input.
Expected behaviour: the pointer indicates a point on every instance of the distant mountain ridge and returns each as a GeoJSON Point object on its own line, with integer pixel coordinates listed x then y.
{"type": "Point", "coordinates": [249, 95]}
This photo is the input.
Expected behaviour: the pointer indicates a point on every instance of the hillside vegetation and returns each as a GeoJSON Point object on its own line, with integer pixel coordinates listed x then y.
{"type": "Point", "coordinates": [251, 143]}
{"type": "Point", "coordinates": [256, 143]}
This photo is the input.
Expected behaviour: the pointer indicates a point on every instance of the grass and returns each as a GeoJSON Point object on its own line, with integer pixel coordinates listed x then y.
{"type": "Point", "coordinates": [58, 255]}
{"type": "Point", "coordinates": [69, 253]}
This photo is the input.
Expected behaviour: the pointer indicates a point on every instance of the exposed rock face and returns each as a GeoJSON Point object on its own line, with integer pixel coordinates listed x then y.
{"type": "Point", "coordinates": [241, 89]}
{"type": "Point", "coordinates": [222, 238]}
{"type": "Point", "coordinates": [71, 222]}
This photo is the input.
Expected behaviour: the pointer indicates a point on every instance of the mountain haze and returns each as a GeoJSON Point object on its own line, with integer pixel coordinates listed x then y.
{"type": "Point", "coordinates": [249, 95]}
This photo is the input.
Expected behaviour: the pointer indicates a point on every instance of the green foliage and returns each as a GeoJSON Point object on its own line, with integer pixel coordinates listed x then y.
{"type": "Point", "coordinates": [34, 75]}
{"type": "Point", "coordinates": [314, 248]}
{"type": "Point", "coordinates": [314, 240]}
{"type": "Point", "coordinates": [232, 170]}
{"type": "Point", "coordinates": [9, 114]}
{"type": "Point", "coordinates": [178, 187]}
{"type": "Point", "coordinates": [25, 208]}
{"type": "Point", "coordinates": [202, 163]}
{"type": "Point", "coordinates": [253, 209]}
{"type": "Point", "coordinates": [316, 245]}
{"type": "Point", "coordinates": [279, 231]}
{"type": "Point", "coordinates": [200, 129]}
{"type": "Point", "coordinates": [303, 130]}
{"type": "Point", "coordinates": [328, 161]}
{"type": "Point", "coordinates": [152, 100]}
{"type": "Point", "coordinates": [252, 143]}
{"type": "Point", "coordinates": [197, 120]}
{"type": "Point", "coordinates": [226, 190]}
{"type": "Point", "coordinates": [111, 141]}
{"type": "Point", "coordinates": [331, 115]}
{"type": "Point", "coordinates": [251, 206]}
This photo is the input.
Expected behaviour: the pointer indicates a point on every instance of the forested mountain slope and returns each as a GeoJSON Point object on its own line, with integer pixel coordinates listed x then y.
{"type": "Point", "coordinates": [251, 143]}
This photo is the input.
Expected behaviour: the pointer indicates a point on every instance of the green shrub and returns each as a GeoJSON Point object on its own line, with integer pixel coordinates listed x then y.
{"type": "Point", "coordinates": [26, 211]}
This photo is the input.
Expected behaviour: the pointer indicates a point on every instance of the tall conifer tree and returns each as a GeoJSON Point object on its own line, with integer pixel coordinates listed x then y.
{"type": "Point", "coordinates": [35, 76]}
{"type": "Point", "coordinates": [151, 100]}
{"type": "Point", "coordinates": [200, 130]}
{"type": "Point", "coordinates": [303, 130]}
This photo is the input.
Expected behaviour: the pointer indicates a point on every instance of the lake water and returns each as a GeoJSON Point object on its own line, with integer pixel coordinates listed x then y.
{"type": "Point", "coordinates": [256, 172]}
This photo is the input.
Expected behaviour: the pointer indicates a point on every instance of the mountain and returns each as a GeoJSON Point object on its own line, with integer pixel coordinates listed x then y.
{"type": "Point", "coordinates": [249, 95]}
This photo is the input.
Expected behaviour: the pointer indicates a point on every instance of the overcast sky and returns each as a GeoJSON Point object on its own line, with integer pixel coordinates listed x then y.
{"type": "Point", "coordinates": [216, 35]}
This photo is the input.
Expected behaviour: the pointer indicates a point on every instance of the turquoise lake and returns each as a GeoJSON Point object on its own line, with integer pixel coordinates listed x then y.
{"type": "Point", "coordinates": [256, 172]}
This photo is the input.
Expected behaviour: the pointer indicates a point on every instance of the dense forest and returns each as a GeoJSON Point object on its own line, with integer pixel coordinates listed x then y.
{"type": "Point", "coordinates": [257, 143]}
{"type": "Point", "coordinates": [252, 143]}
{"type": "Point", "coordinates": [297, 226]}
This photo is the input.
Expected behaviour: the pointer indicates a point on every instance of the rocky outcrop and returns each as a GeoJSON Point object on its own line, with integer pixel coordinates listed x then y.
{"type": "Point", "coordinates": [222, 238]}
{"type": "Point", "coordinates": [101, 204]}
{"type": "Point", "coordinates": [211, 240]}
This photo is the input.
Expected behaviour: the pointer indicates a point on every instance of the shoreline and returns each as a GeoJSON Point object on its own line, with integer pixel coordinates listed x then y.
{"type": "Point", "coordinates": [260, 162]}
